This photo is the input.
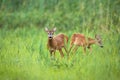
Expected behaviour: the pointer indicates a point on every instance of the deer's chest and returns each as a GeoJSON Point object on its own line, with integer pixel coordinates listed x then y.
{"type": "Point", "coordinates": [52, 45]}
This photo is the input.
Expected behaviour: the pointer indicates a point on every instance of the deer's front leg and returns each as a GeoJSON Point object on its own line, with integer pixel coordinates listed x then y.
{"type": "Point", "coordinates": [84, 48]}
{"type": "Point", "coordinates": [89, 47]}
{"type": "Point", "coordinates": [51, 54]}
{"type": "Point", "coordinates": [54, 54]}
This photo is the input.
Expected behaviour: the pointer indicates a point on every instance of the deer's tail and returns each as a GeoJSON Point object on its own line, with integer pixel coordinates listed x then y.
{"type": "Point", "coordinates": [72, 40]}
{"type": "Point", "coordinates": [66, 38]}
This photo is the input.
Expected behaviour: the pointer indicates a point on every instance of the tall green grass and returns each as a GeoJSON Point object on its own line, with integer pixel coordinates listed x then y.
{"type": "Point", "coordinates": [65, 14]}
{"type": "Point", "coordinates": [24, 56]}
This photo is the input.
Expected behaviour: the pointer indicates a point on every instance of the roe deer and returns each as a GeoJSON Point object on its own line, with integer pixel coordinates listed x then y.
{"type": "Point", "coordinates": [80, 40]}
{"type": "Point", "coordinates": [56, 43]}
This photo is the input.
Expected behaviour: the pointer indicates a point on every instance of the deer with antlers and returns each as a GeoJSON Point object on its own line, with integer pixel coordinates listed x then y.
{"type": "Point", "coordinates": [80, 40]}
{"type": "Point", "coordinates": [56, 42]}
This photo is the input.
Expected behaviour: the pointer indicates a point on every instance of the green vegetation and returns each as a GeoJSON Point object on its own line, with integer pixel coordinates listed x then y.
{"type": "Point", "coordinates": [23, 50]}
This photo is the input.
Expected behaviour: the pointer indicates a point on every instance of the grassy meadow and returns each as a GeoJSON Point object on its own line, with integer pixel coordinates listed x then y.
{"type": "Point", "coordinates": [23, 49]}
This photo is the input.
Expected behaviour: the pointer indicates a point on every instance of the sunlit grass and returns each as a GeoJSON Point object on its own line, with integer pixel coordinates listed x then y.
{"type": "Point", "coordinates": [23, 55]}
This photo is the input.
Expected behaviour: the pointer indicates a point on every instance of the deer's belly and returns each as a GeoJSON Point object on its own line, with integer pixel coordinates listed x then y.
{"type": "Point", "coordinates": [52, 48]}
{"type": "Point", "coordinates": [55, 48]}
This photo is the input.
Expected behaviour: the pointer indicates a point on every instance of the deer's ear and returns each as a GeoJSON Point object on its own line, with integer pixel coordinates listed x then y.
{"type": "Point", "coordinates": [46, 29]}
{"type": "Point", "coordinates": [54, 29]}
{"type": "Point", "coordinates": [97, 36]}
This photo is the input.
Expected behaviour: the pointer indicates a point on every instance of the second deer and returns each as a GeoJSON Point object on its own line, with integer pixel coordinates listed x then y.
{"type": "Point", "coordinates": [80, 40]}
{"type": "Point", "coordinates": [56, 42]}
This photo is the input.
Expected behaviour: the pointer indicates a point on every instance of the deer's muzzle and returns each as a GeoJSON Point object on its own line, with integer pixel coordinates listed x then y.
{"type": "Point", "coordinates": [102, 46]}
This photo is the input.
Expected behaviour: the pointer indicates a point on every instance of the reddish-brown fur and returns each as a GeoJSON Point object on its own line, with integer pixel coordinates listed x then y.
{"type": "Point", "coordinates": [57, 43]}
{"type": "Point", "coordinates": [80, 40]}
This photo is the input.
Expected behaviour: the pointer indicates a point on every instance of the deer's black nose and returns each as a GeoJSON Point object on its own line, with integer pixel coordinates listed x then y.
{"type": "Point", "coordinates": [50, 37]}
{"type": "Point", "coordinates": [101, 46]}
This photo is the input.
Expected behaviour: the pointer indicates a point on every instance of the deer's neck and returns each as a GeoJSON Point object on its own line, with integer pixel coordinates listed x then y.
{"type": "Point", "coordinates": [51, 42]}
{"type": "Point", "coordinates": [91, 41]}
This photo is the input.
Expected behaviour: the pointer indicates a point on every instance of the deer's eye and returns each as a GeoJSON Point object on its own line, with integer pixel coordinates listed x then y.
{"type": "Point", "coordinates": [99, 41]}
{"type": "Point", "coordinates": [51, 32]}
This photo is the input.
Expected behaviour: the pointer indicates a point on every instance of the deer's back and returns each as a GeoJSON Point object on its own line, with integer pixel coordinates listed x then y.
{"type": "Point", "coordinates": [59, 39]}
{"type": "Point", "coordinates": [79, 39]}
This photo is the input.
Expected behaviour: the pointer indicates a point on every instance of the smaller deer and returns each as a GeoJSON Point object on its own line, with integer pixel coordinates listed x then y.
{"type": "Point", "coordinates": [56, 43]}
{"type": "Point", "coordinates": [80, 40]}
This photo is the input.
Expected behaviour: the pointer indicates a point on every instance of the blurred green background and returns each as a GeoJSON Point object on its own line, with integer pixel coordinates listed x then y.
{"type": "Point", "coordinates": [23, 50]}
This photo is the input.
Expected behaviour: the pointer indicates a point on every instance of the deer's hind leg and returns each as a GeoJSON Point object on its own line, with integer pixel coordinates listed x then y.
{"type": "Point", "coordinates": [61, 52]}
{"type": "Point", "coordinates": [66, 50]}
{"type": "Point", "coordinates": [70, 48]}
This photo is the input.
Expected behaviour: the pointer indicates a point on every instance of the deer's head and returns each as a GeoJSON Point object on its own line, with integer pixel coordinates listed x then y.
{"type": "Point", "coordinates": [50, 32]}
{"type": "Point", "coordinates": [99, 40]}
